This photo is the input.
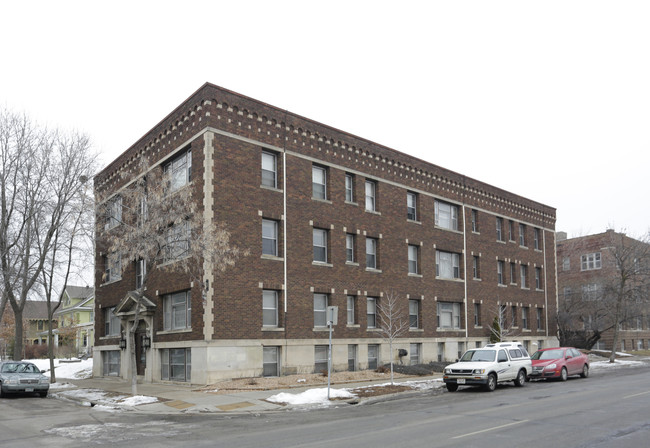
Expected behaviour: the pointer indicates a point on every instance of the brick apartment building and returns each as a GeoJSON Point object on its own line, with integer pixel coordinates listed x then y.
{"type": "Point", "coordinates": [587, 267]}
{"type": "Point", "coordinates": [330, 219]}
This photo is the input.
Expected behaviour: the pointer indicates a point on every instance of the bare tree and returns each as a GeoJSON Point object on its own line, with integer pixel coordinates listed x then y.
{"type": "Point", "coordinates": [41, 174]}
{"type": "Point", "coordinates": [392, 322]}
{"type": "Point", "coordinates": [501, 328]}
{"type": "Point", "coordinates": [156, 223]}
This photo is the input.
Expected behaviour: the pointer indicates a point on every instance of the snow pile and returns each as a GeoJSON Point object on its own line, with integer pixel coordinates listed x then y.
{"type": "Point", "coordinates": [311, 396]}
{"type": "Point", "coordinates": [617, 363]}
{"type": "Point", "coordinates": [70, 370]}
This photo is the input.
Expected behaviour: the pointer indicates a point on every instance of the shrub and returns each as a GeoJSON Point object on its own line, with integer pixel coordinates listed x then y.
{"type": "Point", "coordinates": [36, 351]}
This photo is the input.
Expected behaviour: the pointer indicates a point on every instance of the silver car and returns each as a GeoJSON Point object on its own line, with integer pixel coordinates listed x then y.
{"type": "Point", "coordinates": [22, 377]}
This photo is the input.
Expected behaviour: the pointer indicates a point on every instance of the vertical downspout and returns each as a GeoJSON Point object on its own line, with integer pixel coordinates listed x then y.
{"type": "Point", "coordinates": [284, 228]}
{"type": "Point", "coordinates": [466, 274]}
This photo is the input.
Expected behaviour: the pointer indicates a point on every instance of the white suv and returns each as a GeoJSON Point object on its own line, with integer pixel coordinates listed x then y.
{"type": "Point", "coordinates": [487, 366]}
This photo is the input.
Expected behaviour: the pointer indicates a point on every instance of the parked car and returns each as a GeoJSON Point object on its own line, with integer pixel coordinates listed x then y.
{"type": "Point", "coordinates": [22, 377]}
{"type": "Point", "coordinates": [488, 366]}
{"type": "Point", "coordinates": [560, 363]}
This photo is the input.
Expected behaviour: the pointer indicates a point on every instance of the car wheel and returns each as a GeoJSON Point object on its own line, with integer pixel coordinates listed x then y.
{"type": "Point", "coordinates": [563, 374]}
{"type": "Point", "coordinates": [585, 371]}
{"type": "Point", "coordinates": [452, 387]}
{"type": "Point", "coordinates": [521, 378]}
{"type": "Point", "coordinates": [43, 394]}
{"type": "Point", "coordinates": [491, 382]}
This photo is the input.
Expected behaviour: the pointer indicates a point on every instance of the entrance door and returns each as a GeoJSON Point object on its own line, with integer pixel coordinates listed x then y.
{"type": "Point", "coordinates": [140, 352]}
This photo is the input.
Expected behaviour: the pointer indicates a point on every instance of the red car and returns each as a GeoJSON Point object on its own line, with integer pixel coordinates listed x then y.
{"type": "Point", "coordinates": [559, 362]}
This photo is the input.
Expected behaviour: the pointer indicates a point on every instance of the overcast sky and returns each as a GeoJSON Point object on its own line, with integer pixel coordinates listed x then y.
{"type": "Point", "coordinates": [549, 100]}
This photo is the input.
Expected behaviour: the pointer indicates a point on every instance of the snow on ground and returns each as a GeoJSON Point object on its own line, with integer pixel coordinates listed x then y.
{"type": "Point", "coordinates": [618, 363]}
{"type": "Point", "coordinates": [70, 370]}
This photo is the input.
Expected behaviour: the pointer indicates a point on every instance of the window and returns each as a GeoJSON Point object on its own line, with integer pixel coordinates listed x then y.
{"type": "Point", "coordinates": [537, 238]}
{"type": "Point", "coordinates": [511, 230]}
{"type": "Point", "coordinates": [40, 325]}
{"type": "Point", "coordinates": [111, 362]}
{"type": "Point", "coordinates": [320, 358]}
{"type": "Point", "coordinates": [475, 221]}
{"type": "Point", "coordinates": [415, 354]}
{"type": "Point", "coordinates": [524, 275]}
{"type": "Point", "coordinates": [566, 264]}
{"type": "Point", "coordinates": [524, 317]}
{"type": "Point", "coordinates": [349, 248]}
{"type": "Point", "coordinates": [590, 262]}
{"type": "Point", "coordinates": [269, 237]}
{"type": "Point", "coordinates": [538, 278]}
{"type": "Point", "coordinates": [447, 265]}
{"type": "Point", "coordinates": [349, 187]}
{"type": "Point", "coordinates": [352, 301]}
{"type": "Point", "coordinates": [179, 170]}
{"type": "Point", "coordinates": [449, 315]}
{"type": "Point", "coordinates": [113, 213]}
{"type": "Point", "coordinates": [371, 198]}
{"type": "Point", "coordinates": [413, 255]}
{"type": "Point", "coordinates": [567, 293]}
{"type": "Point", "coordinates": [477, 314]}
{"type": "Point", "coordinates": [500, 229]}
{"type": "Point", "coordinates": [177, 310]}
{"type": "Point", "coordinates": [112, 268]}
{"type": "Point", "coordinates": [414, 314]}
{"type": "Point", "coordinates": [143, 212]}
{"type": "Point", "coordinates": [269, 308]}
{"type": "Point", "coordinates": [352, 358]}
{"type": "Point", "coordinates": [371, 312]}
{"type": "Point", "coordinates": [590, 292]}
{"type": "Point", "coordinates": [269, 170]}
{"type": "Point", "coordinates": [320, 245]}
{"type": "Point", "coordinates": [271, 361]}
{"type": "Point", "coordinates": [446, 215]}
{"type": "Point", "coordinates": [371, 253]}
{"type": "Point", "coordinates": [539, 321]}
{"type": "Point", "coordinates": [513, 273]}
{"type": "Point", "coordinates": [373, 356]}
{"type": "Point", "coordinates": [522, 235]}
{"type": "Point", "coordinates": [411, 206]}
{"type": "Point", "coordinates": [513, 313]}
{"type": "Point", "coordinates": [178, 241]}
{"type": "Point", "coordinates": [140, 273]}
{"type": "Point", "coordinates": [500, 268]}
{"type": "Point", "coordinates": [476, 267]}
{"type": "Point", "coordinates": [319, 182]}
{"type": "Point", "coordinates": [111, 322]}
{"type": "Point", "coordinates": [176, 364]}
{"type": "Point", "coordinates": [320, 310]}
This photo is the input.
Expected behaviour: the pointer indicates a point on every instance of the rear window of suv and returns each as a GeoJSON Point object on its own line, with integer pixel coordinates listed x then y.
{"type": "Point", "coordinates": [515, 353]}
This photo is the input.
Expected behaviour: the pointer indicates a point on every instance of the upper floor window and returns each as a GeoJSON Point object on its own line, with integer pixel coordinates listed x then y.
{"type": "Point", "coordinates": [524, 276]}
{"type": "Point", "coordinates": [350, 256]}
{"type": "Point", "coordinates": [319, 182]}
{"type": "Point", "coordinates": [113, 212]}
{"type": "Point", "coordinates": [112, 268]}
{"type": "Point", "coordinates": [511, 230]}
{"type": "Point", "coordinates": [513, 273]}
{"type": "Point", "coordinates": [522, 235]}
{"type": "Point", "coordinates": [350, 310]}
{"type": "Point", "coordinates": [447, 265]}
{"type": "Point", "coordinates": [371, 312]}
{"type": "Point", "coordinates": [500, 274]}
{"type": "Point", "coordinates": [371, 253]}
{"type": "Point", "coordinates": [566, 264]}
{"type": "Point", "coordinates": [177, 309]}
{"type": "Point", "coordinates": [371, 198]}
{"type": "Point", "coordinates": [537, 238]}
{"type": "Point", "coordinates": [446, 215]}
{"type": "Point", "coordinates": [411, 206]}
{"type": "Point", "coordinates": [475, 221]}
{"type": "Point", "coordinates": [320, 310]}
{"type": "Point", "coordinates": [349, 187]}
{"type": "Point", "coordinates": [178, 241]}
{"type": "Point", "coordinates": [269, 170]}
{"type": "Point", "coordinates": [524, 318]}
{"type": "Point", "coordinates": [269, 308]}
{"type": "Point", "coordinates": [476, 266]}
{"type": "Point", "coordinates": [477, 314]}
{"type": "Point", "coordinates": [449, 315]}
{"type": "Point", "coordinates": [269, 237]}
{"type": "Point", "coordinates": [140, 273]}
{"type": "Point", "coordinates": [111, 322]}
{"type": "Point", "coordinates": [179, 170]}
{"type": "Point", "coordinates": [320, 245]}
{"type": "Point", "coordinates": [538, 278]}
{"type": "Point", "coordinates": [499, 223]}
{"type": "Point", "coordinates": [413, 255]}
{"type": "Point", "coordinates": [414, 313]}
{"type": "Point", "coordinates": [589, 262]}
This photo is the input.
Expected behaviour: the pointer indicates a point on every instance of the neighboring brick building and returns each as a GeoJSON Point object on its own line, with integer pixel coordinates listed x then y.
{"type": "Point", "coordinates": [587, 270]}
{"type": "Point", "coordinates": [330, 219]}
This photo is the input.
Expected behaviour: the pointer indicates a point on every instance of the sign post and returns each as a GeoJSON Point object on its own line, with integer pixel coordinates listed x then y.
{"type": "Point", "coordinates": [332, 319]}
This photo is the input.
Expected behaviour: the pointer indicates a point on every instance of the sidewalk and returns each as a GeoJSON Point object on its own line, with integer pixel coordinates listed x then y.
{"type": "Point", "coordinates": [177, 398]}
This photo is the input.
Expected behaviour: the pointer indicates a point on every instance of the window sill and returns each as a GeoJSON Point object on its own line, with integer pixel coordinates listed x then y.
{"type": "Point", "coordinates": [353, 326]}
{"type": "Point", "coordinates": [321, 329]}
{"type": "Point", "coordinates": [273, 329]}
{"type": "Point", "coordinates": [109, 337]}
{"type": "Point", "coordinates": [457, 280]}
{"type": "Point", "coordinates": [477, 279]}
{"type": "Point", "coordinates": [475, 232]}
{"type": "Point", "coordinates": [525, 289]}
{"type": "Point", "coordinates": [538, 250]}
{"type": "Point", "coordinates": [416, 330]}
{"type": "Point", "coordinates": [525, 330]}
{"type": "Point", "coordinates": [539, 290]}
{"type": "Point", "coordinates": [352, 203]}
{"type": "Point", "coordinates": [449, 329]}
{"type": "Point", "coordinates": [478, 327]}
{"type": "Point", "coordinates": [411, 274]}
{"type": "Point", "coordinates": [501, 285]}
{"type": "Point", "coordinates": [374, 270]}
{"type": "Point", "coordinates": [325, 201]}
{"type": "Point", "coordinates": [352, 263]}
{"type": "Point", "coordinates": [373, 212]}
{"type": "Point", "coordinates": [523, 247]}
{"type": "Point", "coordinates": [110, 282]}
{"type": "Point", "coordinates": [183, 330]}
{"type": "Point", "coordinates": [322, 263]}
{"type": "Point", "coordinates": [266, 187]}
{"type": "Point", "coordinates": [373, 330]}
{"type": "Point", "coordinates": [271, 257]}
{"type": "Point", "coordinates": [501, 241]}
{"type": "Point", "coordinates": [413, 221]}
